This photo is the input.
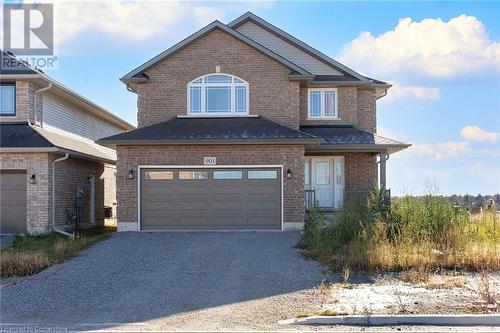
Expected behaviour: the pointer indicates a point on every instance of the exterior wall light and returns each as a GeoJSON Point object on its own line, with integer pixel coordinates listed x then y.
{"type": "Point", "coordinates": [130, 174]}
{"type": "Point", "coordinates": [33, 179]}
{"type": "Point", "coordinates": [288, 173]}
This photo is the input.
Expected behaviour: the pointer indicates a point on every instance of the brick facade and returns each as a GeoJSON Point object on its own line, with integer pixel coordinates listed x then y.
{"type": "Point", "coordinates": [272, 95]}
{"type": "Point", "coordinates": [360, 172]}
{"type": "Point", "coordinates": [70, 175]}
{"type": "Point", "coordinates": [356, 106]}
{"type": "Point", "coordinates": [38, 213]}
{"type": "Point", "coordinates": [290, 156]}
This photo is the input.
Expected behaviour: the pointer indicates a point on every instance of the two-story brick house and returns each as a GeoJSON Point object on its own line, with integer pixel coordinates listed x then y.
{"type": "Point", "coordinates": [48, 154]}
{"type": "Point", "coordinates": [240, 126]}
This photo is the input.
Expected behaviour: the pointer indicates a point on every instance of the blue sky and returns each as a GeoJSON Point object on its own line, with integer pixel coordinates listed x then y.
{"type": "Point", "coordinates": [443, 58]}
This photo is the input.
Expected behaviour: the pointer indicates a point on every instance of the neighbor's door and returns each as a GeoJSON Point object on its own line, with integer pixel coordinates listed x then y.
{"type": "Point", "coordinates": [322, 181]}
{"type": "Point", "coordinates": [92, 199]}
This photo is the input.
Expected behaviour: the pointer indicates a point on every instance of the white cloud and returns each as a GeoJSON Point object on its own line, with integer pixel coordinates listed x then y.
{"type": "Point", "coordinates": [407, 93]}
{"type": "Point", "coordinates": [475, 133]}
{"type": "Point", "coordinates": [132, 21]}
{"type": "Point", "coordinates": [441, 150]}
{"type": "Point", "coordinates": [430, 47]}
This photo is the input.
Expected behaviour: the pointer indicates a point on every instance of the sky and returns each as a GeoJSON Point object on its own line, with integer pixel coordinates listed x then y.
{"type": "Point", "coordinates": [443, 59]}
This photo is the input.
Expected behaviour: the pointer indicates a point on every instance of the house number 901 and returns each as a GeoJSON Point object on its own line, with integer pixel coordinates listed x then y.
{"type": "Point", "coordinates": [209, 160]}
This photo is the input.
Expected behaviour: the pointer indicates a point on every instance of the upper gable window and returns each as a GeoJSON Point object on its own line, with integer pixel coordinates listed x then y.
{"type": "Point", "coordinates": [217, 94]}
{"type": "Point", "coordinates": [322, 103]}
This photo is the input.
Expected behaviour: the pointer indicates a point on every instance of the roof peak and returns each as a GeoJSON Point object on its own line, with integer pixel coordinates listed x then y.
{"type": "Point", "coordinates": [249, 16]}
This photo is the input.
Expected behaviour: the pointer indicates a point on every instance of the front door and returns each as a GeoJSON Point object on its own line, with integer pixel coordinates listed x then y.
{"type": "Point", "coordinates": [322, 181]}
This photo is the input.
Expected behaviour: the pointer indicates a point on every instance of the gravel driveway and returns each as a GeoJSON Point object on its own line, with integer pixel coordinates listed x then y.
{"type": "Point", "coordinates": [178, 280]}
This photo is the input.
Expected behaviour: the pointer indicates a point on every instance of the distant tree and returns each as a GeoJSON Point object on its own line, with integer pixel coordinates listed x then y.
{"type": "Point", "coordinates": [480, 199]}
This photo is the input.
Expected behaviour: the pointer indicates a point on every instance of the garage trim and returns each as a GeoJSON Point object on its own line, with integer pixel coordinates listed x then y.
{"type": "Point", "coordinates": [138, 177]}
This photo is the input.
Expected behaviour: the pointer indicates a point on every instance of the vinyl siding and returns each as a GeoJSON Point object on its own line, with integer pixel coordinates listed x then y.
{"type": "Point", "coordinates": [286, 50]}
{"type": "Point", "coordinates": [63, 115]}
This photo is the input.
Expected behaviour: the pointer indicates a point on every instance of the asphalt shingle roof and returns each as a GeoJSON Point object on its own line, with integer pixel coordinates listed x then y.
{"type": "Point", "coordinates": [21, 135]}
{"type": "Point", "coordinates": [216, 129]}
{"type": "Point", "coordinates": [347, 135]}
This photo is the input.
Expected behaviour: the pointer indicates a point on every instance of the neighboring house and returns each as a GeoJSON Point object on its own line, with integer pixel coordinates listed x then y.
{"type": "Point", "coordinates": [47, 147]}
{"type": "Point", "coordinates": [241, 127]}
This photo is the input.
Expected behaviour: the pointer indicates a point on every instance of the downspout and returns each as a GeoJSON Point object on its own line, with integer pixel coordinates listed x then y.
{"type": "Point", "coordinates": [35, 104]}
{"type": "Point", "coordinates": [62, 232]}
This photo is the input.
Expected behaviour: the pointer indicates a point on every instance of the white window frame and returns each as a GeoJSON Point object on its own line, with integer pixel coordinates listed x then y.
{"type": "Point", "coordinates": [322, 103]}
{"type": "Point", "coordinates": [231, 85]}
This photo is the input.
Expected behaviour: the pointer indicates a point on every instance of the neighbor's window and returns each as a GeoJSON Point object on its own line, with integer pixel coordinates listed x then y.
{"type": "Point", "coordinates": [217, 94]}
{"type": "Point", "coordinates": [193, 175]}
{"type": "Point", "coordinates": [322, 103]}
{"type": "Point", "coordinates": [7, 99]}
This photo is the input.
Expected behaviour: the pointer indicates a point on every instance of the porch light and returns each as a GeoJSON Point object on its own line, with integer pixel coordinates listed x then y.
{"type": "Point", "coordinates": [33, 179]}
{"type": "Point", "coordinates": [130, 174]}
{"type": "Point", "coordinates": [288, 173]}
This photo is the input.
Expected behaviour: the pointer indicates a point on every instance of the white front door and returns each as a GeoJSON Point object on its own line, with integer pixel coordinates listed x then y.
{"type": "Point", "coordinates": [322, 181]}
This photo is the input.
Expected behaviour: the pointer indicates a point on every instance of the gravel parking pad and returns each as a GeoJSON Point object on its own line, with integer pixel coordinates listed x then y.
{"type": "Point", "coordinates": [177, 280]}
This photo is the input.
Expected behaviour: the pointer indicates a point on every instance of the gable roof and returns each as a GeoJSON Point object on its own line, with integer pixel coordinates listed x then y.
{"type": "Point", "coordinates": [23, 70]}
{"type": "Point", "coordinates": [138, 73]}
{"type": "Point", "coordinates": [346, 75]}
{"type": "Point", "coordinates": [23, 137]}
{"type": "Point", "coordinates": [248, 16]}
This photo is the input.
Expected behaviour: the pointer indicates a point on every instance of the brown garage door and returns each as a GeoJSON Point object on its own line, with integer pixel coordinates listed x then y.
{"type": "Point", "coordinates": [12, 202]}
{"type": "Point", "coordinates": [211, 199]}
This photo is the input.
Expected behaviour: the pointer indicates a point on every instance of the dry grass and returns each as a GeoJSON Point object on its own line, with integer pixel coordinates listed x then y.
{"type": "Point", "coordinates": [32, 254]}
{"type": "Point", "coordinates": [22, 263]}
{"type": "Point", "coordinates": [421, 234]}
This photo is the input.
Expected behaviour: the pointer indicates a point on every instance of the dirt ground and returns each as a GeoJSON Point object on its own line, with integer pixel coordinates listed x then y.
{"type": "Point", "coordinates": [413, 293]}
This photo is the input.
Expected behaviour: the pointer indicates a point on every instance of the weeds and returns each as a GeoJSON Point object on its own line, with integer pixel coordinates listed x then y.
{"type": "Point", "coordinates": [411, 233]}
{"type": "Point", "coordinates": [30, 255]}
{"type": "Point", "coordinates": [487, 295]}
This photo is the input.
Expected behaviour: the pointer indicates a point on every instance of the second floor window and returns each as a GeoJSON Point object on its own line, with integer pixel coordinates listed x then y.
{"type": "Point", "coordinates": [7, 99]}
{"type": "Point", "coordinates": [322, 103]}
{"type": "Point", "coordinates": [218, 94]}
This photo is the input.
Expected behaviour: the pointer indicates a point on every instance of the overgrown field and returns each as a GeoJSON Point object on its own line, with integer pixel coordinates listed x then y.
{"type": "Point", "coordinates": [29, 255]}
{"type": "Point", "coordinates": [407, 233]}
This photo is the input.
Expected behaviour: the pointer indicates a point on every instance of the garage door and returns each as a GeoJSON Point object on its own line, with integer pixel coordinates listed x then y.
{"type": "Point", "coordinates": [211, 199]}
{"type": "Point", "coordinates": [12, 202]}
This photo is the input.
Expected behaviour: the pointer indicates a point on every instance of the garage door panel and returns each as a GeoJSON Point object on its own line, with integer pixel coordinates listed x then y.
{"type": "Point", "coordinates": [211, 204]}
{"type": "Point", "coordinates": [224, 189]}
{"type": "Point", "coordinates": [166, 190]}
{"type": "Point", "coordinates": [264, 212]}
{"type": "Point", "coordinates": [263, 189]}
{"type": "Point", "coordinates": [227, 205]}
{"type": "Point", "coordinates": [269, 204]}
{"type": "Point", "coordinates": [192, 197]}
{"type": "Point", "coordinates": [262, 220]}
{"type": "Point", "coordinates": [262, 197]}
{"type": "Point", "coordinates": [228, 221]}
{"type": "Point", "coordinates": [175, 220]}
{"type": "Point", "coordinates": [191, 189]}
{"type": "Point", "coordinates": [13, 202]}
{"type": "Point", "coordinates": [13, 198]}
{"type": "Point", "coordinates": [12, 181]}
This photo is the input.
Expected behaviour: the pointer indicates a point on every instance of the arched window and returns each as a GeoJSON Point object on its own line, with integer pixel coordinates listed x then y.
{"type": "Point", "coordinates": [217, 94]}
